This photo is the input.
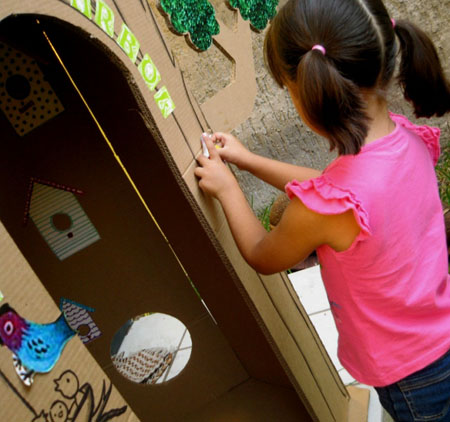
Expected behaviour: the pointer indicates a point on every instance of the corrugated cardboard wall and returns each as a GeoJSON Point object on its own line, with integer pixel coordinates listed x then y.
{"type": "Point", "coordinates": [263, 307]}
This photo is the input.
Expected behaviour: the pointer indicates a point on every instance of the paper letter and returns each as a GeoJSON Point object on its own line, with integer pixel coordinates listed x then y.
{"type": "Point", "coordinates": [149, 72]}
{"type": "Point", "coordinates": [165, 103]}
{"type": "Point", "coordinates": [83, 6]}
{"type": "Point", "coordinates": [128, 42]}
{"type": "Point", "coordinates": [104, 18]}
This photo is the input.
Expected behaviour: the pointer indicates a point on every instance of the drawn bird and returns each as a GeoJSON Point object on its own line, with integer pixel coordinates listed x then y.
{"type": "Point", "coordinates": [37, 347]}
{"type": "Point", "coordinates": [59, 412]}
{"type": "Point", "coordinates": [67, 384]}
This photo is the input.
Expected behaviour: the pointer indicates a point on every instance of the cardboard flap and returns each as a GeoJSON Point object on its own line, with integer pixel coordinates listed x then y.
{"type": "Point", "coordinates": [76, 385]}
{"type": "Point", "coordinates": [233, 105]}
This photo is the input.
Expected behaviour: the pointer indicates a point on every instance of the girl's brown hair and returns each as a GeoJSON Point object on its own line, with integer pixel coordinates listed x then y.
{"type": "Point", "coordinates": [361, 49]}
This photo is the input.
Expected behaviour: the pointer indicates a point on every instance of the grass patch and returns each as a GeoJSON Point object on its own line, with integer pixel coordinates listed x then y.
{"type": "Point", "coordinates": [443, 175]}
{"type": "Point", "coordinates": [264, 216]}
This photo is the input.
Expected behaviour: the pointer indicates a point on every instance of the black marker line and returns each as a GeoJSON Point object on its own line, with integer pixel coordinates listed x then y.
{"type": "Point", "coordinates": [188, 94]}
{"type": "Point", "coordinates": [143, 5]}
{"type": "Point", "coordinates": [140, 54]}
{"type": "Point", "coordinates": [184, 135]}
{"type": "Point", "coordinates": [172, 59]}
{"type": "Point", "coordinates": [120, 12]}
{"type": "Point", "coordinates": [10, 385]}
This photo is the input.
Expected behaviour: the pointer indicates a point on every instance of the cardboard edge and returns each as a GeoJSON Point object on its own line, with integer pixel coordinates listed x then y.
{"type": "Point", "coordinates": [358, 407]}
{"type": "Point", "coordinates": [308, 343]}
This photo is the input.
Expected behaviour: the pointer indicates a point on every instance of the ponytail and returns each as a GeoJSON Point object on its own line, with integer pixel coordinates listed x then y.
{"type": "Point", "coordinates": [360, 57]}
{"type": "Point", "coordinates": [421, 76]}
{"type": "Point", "coordinates": [331, 103]}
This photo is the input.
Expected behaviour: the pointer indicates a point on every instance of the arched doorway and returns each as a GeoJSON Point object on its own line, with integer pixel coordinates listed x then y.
{"type": "Point", "coordinates": [122, 266]}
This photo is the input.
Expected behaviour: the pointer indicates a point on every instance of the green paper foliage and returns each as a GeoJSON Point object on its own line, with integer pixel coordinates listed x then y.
{"type": "Point", "coordinates": [196, 17]}
{"type": "Point", "coordinates": [259, 12]}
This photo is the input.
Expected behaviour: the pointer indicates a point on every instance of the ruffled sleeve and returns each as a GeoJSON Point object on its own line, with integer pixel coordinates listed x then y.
{"type": "Point", "coordinates": [429, 135]}
{"type": "Point", "coordinates": [321, 196]}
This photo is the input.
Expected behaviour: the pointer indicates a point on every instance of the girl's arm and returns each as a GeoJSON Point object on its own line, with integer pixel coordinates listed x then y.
{"type": "Point", "coordinates": [274, 172]}
{"type": "Point", "coordinates": [299, 232]}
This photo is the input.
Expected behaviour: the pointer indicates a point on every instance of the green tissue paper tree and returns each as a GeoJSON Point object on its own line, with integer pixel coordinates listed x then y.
{"type": "Point", "coordinates": [259, 12]}
{"type": "Point", "coordinates": [196, 17]}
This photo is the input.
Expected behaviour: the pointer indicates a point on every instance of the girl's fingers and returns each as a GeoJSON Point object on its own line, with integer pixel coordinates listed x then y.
{"type": "Point", "coordinates": [213, 154]}
{"type": "Point", "coordinates": [202, 159]}
{"type": "Point", "coordinates": [198, 172]}
{"type": "Point", "coordinates": [221, 137]}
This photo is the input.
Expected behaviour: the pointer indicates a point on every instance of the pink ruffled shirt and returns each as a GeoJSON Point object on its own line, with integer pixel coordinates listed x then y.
{"type": "Point", "coordinates": [390, 291]}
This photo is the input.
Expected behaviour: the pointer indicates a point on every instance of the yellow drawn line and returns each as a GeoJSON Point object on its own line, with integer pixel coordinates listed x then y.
{"type": "Point", "coordinates": [111, 147]}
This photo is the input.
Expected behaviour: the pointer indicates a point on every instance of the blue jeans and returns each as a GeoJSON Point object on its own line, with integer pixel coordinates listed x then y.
{"type": "Point", "coordinates": [421, 397]}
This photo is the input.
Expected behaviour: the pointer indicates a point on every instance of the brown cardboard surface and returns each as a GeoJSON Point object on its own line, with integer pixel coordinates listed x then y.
{"type": "Point", "coordinates": [210, 276]}
{"type": "Point", "coordinates": [294, 316]}
{"type": "Point", "coordinates": [213, 210]}
{"type": "Point", "coordinates": [24, 292]}
{"type": "Point", "coordinates": [253, 401]}
{"type": "Point", "coordinates": [184, 125]}
{"type": "Point", "coordinates": [183, 129]}
{"type": "Point", "coordinates": [359, 404]}
{"type": "Point", "coordinates": [306, 379]}
{"type": "Point", "coordinates": [132, 269]}
{"type": "Point", "coordinates": [232, 105]}
{"type": "Point", "coordinates": [211, 371]}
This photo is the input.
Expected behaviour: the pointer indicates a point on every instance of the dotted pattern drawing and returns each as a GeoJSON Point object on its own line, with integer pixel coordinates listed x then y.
{"type": "Point", "coordinates": [26, 98]}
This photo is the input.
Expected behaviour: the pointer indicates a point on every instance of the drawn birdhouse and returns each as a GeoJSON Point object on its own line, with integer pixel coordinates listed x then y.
{"type": "Point", "coordinates": [79, 319]}
{"type": "Point", "coordinates": [26, 98]}
{"type": "Point", "coordinates": [60, 218]}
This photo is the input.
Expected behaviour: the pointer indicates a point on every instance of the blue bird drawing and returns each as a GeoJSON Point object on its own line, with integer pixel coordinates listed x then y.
{"type": "Point", "coordinates": [36, 347]}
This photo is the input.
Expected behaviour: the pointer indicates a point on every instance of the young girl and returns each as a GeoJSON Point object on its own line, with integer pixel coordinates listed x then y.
{"type": "Point", "coordinates": [374, 214]}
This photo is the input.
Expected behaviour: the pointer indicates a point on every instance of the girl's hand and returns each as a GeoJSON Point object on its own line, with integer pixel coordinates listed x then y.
{"type": "Point", "coordinates": [215, 177]}
{"type": "Point", "coordinates": [231, 149]}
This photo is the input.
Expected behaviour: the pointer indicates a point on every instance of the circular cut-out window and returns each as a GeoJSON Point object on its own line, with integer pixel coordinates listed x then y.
{"type": "Point", "coordinates": [83, 330]}
{"type": "Point", "coordinates": [18, 87]}
{"type": "Point", "coordinates": [61, 222]}
{"type": "Point", "coordinates": [151, 348]}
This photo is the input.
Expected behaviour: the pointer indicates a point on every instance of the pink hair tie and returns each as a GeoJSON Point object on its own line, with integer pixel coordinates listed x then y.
{"type": "Point", "coordinates": [393, 22]}
{"type": "Point", "coordinates": [319, 47]}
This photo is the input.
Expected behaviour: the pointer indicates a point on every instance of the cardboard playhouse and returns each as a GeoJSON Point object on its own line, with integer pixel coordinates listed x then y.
{"type": "Point", "coordinates": [102, 220]}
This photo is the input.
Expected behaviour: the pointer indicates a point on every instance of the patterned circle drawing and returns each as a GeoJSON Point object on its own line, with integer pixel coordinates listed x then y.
{"type": "Point", "coordinates": [151, 348]}
{"type": "Point", "coordinates": [61, 221]}
{"type": "Point", "coordinates": [26, 98]}
{"type": "Point", "coordinates": [18, 87]}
